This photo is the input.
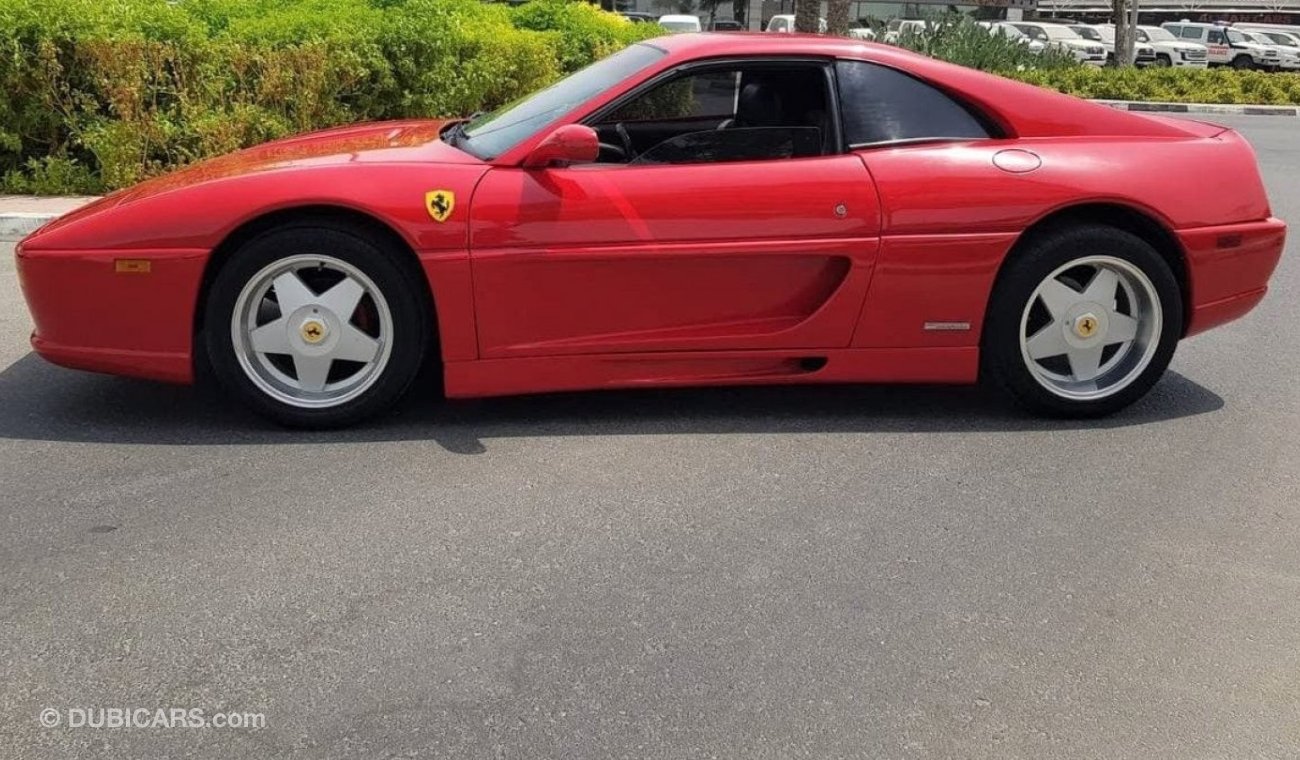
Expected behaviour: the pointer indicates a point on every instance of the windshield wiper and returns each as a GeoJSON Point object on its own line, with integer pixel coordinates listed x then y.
{"type": "Point", "coordinates": [454, 133]}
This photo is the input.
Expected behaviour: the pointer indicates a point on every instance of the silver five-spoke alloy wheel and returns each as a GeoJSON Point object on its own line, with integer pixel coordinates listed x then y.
{"type": "Point", "coordinates": [312, 331]}
{"type": "Point", "coordinates": [1090, 328]}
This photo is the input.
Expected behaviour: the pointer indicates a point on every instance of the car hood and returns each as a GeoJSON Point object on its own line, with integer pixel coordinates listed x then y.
{"type": "Point", "coordinates": [393, 142]}
{"type": "Point", "coordinates": [378, 142]}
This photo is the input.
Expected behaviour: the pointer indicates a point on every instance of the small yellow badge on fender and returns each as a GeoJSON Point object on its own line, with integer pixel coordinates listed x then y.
{"type": "Point", "coordinates": [439, 204]}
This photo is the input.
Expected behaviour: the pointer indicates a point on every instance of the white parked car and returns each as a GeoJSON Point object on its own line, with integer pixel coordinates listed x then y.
{"type": "Point", "coordinates": [679, 23]}
{"type": "Point", "coordinates": [1171, 51]}
{"type": "Point", "coordinates": [862, 33]}
{"type": "Point", "coordinates": [1064, 38]}
{"type": "Point", "coordinates": [1143, 55]}
{"type": "Point", "coordinates": [1282, 34]}
{"type": "Point", "coordinates": [1010, 32]}
{"type": "Point", "coordinates": [1227, 46]}
{"type": "Point", "coordinates": [785, 23]}
{"type": "Point", "coordinates": [1290, 55]}
{"type": "Point", "coordinates": [897, 27]}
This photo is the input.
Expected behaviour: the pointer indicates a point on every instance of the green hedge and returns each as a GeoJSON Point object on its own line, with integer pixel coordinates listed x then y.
{"type": "Point", "coordinates": [98, 94]}
{"type": "Point", "coordinates": [1170, 85]}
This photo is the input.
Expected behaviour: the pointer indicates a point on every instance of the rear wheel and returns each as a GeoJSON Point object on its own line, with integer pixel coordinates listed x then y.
{"type": "Point", "coordinates": [316, 326]}
{"type": "Point", "coordinates": [1082, 323]}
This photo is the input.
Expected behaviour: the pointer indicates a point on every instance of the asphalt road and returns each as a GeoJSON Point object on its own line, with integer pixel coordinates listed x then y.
{"type": "Point", "coordinates": [761, 573]}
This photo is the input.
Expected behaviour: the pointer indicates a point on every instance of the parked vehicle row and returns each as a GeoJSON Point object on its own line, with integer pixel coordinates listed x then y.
{"type": "Point", "coordinates": [1182, 44]}
{"type": "Point", "coordinates": [1231, 46]}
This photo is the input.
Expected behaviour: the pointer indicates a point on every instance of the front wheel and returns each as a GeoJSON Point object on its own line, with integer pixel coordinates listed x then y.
{"type": "Point", "coordinates": [1243, 62]}
{"type": "Point", "coordinates": [1082, 322]}
{"type": "Point", "coordinates": [1163, 62]}
{"type": "Point", "coordinates": [316, 327]}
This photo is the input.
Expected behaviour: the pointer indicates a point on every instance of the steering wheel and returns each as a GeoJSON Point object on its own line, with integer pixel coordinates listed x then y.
{"type": "Point", "coordinates": [628, 150]}
{"type": "Point", "coordinates": [613, 152]}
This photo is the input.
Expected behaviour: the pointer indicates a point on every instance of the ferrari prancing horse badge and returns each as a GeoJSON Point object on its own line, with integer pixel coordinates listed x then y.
{"type": "Point", "coordinates": [439, 204]}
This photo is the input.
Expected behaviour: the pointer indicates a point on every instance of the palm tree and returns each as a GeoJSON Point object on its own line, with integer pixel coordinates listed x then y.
{"type": "Point", "coordinates": [837, 17]}
{"type": "Point", "coordinates": [807, 15]}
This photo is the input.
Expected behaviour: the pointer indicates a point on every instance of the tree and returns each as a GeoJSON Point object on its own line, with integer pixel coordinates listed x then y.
{"type": "Point", "coordinates": [712, 7]}
{"type": "Point", "coordinates": [675, 6]}
{"type": "Point", "coordinates": [837, 17]}
{"type": "Point", "coordinates": [807, 16]}
{"type": "Point", "coordinates": [1123, 33]}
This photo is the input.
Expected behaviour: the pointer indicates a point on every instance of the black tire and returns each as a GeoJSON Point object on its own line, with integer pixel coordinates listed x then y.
{"type": "Point", "coordinates": [1163, 61]}
{"type": "Point", "coordinates": [393, 272]}
{"type": "Point", "coordinates": [1243, 62]}
{"type": "Point", "coordinates": [1032, 262]}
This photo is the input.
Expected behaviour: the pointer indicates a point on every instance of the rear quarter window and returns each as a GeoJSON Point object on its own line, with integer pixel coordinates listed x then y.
{"type": "Point", "coordinates": [881, 105]}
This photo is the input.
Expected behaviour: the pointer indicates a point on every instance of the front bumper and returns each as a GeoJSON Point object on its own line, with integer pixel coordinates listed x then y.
{"type": "Point", "coordinates": [1228, 269]}
{"type": "Point", "coordinates": [101, 311]}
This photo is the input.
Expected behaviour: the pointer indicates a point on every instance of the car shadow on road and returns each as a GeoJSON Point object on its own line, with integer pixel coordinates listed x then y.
{"type": "Point", "coordinates": [39, 401]}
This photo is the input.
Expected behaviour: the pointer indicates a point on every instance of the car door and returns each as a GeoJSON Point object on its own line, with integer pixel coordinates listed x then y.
{"type": "Point", "coordinates": [723, 251]}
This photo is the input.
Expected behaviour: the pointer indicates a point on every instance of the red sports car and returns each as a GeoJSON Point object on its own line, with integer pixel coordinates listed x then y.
{"type": "Point", "coordinates": [695, 210]}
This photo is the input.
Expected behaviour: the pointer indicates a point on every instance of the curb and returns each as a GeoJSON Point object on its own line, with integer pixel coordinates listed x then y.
{"type": "Point", "coordinates": [16, 226]}
{"type": "Point", "coordinates": [1235, 110]}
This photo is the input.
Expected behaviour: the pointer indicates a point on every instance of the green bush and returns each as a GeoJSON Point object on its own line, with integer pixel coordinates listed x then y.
{"type": "Point", "coordinates": [1170, 85]}
{"type": "Point", "coordinates": [958, 39]}
{"type": "Point", "coordinates": [99, 94]}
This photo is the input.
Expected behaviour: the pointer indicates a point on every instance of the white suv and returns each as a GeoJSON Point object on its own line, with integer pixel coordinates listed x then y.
{"type": "Point", "coordinates": [1171, 51]}
{"type": "Point", "coordinates": [1143, 55]}
{"type": "Point", "coordinates": [1003, 29]}
{"type": "Point", "coordinates": [1290, 58]}
{"type": "Point", "coordinates": [1227, 46]}
{"type": "Point", "coordinates": [1064, 38]}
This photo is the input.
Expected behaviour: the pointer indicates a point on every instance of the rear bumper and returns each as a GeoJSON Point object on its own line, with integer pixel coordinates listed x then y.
{"type": "Point", "coordinates": [1228, 269]}
{"type": "Point", "coordinates": [93, 314]}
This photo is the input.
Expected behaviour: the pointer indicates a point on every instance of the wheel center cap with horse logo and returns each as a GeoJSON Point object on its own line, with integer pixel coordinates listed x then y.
{"type": "Point", "coordinates": [313, 331]}
{"type": "Point", "coordinates": [1086, 325]}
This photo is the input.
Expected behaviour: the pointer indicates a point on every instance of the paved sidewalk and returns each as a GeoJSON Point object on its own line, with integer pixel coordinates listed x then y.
{"type": "Point", "coordinates": [20, 214]}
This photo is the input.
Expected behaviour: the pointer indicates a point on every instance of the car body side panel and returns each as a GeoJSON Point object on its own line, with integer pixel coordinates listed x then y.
{"type": "Point", "coordinates": [950, 216]}
{"type": "Point", "coordinates": [638, 258]}
{"type": "Point", "coordinates": [184, 223]}
{"type": "Point", "coordinates": [90, 316]}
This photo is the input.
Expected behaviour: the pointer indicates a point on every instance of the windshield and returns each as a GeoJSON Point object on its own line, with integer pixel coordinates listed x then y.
{"type": "Point", "coordinates": [489, 135]}
{"type": "Point", "coordinates": [1236, 36]}
{"type": "Point", "coordinates": [1155, 34]}
{"type": "Point", "coordinates": [682, 25]}
{"type": "Point", "coordinates": [1282, 39]}
{"type": "Point", "coordinates": [1008, 31]}
{"type": "Point", "coordinates": [1060, 33]}
{"type": "Point", "coordinates": [1088, 33]}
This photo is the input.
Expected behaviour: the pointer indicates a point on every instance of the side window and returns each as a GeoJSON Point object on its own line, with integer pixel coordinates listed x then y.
{"type": "Point", "coordinates": [880, 104]}
{"type": "Point", "coordinates": [709, 95]}
{"type": "Point", "coordinates": [1217, 37]}
{"type": "Point", "coordinates": [751, 112]}
{"type": "Point", "coordinates": [1191, 33]}
{"type": "Point", "coordinates": [778, 25]}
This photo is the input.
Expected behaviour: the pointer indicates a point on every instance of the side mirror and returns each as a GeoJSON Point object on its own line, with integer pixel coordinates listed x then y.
{"type": "Point", "coordinates": [570, 144]}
